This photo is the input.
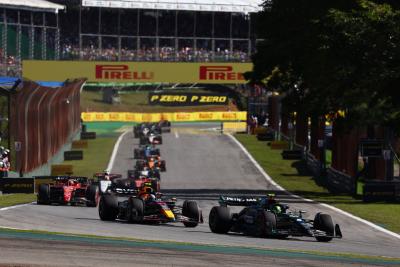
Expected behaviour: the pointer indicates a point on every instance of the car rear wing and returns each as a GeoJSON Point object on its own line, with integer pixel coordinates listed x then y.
{"type": "Point", "coordinates": [238, 201]}
{"type": "Point", "coordinates": [101, 176]}
{"type": "Point", "coordinates": [59, 178]}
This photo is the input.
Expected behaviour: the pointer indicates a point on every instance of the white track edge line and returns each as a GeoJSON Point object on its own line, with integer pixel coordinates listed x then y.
{"type": "Point", "coordinates": [115, 150]}
{"type": "Point", "coordinates": [16, 206]}
{"type": "Point", "coordinates": [269, 179]}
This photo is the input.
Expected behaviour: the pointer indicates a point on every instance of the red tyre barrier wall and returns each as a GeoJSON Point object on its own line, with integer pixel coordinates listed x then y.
{"type": "Point", "coordinates": [43, 118]}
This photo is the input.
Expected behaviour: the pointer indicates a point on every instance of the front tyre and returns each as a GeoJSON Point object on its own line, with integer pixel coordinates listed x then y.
{"type": "Point", "coordinates": [191, 210]}
{"type": "Point", "coordinates": [108, 208]}
{"type": "Point", "coordinates": [324, 222]}
{"type": "Point", "coordinates": [43, 196]}
{"type": "Point", "coordinates": [219, 220]}
{"type": "Point", "coordinates": [135, 210]}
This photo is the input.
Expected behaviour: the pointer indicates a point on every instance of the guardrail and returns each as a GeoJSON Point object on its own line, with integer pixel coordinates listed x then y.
{"type": "Point", "coordinates": [173, 117]}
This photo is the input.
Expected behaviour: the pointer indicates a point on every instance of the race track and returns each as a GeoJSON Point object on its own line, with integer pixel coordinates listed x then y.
{"type": "Point", "coordinates": [201, 165]}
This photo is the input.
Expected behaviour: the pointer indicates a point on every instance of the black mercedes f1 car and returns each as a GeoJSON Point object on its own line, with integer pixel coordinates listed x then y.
{"type": "Point", "coordinates": [264, 217]}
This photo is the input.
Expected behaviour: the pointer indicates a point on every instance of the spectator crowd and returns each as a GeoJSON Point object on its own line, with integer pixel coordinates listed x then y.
{"type": "Point", "coordinates": [166, 54]}
{"type": "Point", "coordinates": [4, 162]}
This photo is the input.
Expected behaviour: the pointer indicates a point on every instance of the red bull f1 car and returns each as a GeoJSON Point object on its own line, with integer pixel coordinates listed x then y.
{"type": "Point", "coordinates": [68, 190]}
{"type": "Point", "coordinates": [264, 217]}
{"type": "Point", "coordinates": [146, 206]}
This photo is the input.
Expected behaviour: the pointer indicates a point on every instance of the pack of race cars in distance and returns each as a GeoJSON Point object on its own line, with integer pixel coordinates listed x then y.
{"type": "Point", "coordinates": [68, 190]}
{"type": "Point", "coordinates": [137, 198]}
{"type": "Point", "coordinates": [265, 217]}
{"type": "Point", "coordinates": [150, 133]}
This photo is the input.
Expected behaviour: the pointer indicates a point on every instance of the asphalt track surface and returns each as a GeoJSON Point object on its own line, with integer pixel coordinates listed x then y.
{"type": "Point", "coordinates": [201, 165]}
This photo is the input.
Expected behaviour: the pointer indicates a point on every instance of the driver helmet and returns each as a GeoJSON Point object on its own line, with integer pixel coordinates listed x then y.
{"type": "Point", "coordinates": [277, 209]}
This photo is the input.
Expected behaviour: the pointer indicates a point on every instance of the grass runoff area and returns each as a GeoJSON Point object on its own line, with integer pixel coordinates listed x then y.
{"type": "Point", "coordinates": [98, 152]}
{"type": "Point", "coordinates": [137, 101]}
{"type": "Point", "coordinates": [293, 176]}
{"type": "Point", "coordinates": [16, 199]}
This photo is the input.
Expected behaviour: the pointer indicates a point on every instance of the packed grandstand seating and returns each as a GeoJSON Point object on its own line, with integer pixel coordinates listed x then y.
{"type": "Point", "coordinates": [113, 34]}
{"type": "Point", "coordinates": [165, 54]}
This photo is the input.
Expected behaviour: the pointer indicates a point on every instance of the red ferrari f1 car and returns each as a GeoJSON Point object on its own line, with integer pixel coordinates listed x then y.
{"type": "Point", "coordinates": [68, 190]}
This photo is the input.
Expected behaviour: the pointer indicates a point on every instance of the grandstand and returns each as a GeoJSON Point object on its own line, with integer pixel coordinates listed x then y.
{"type": "Point", "coordinates": [128, 30]}
{"type": "Point", "coordinates": [28, 30]}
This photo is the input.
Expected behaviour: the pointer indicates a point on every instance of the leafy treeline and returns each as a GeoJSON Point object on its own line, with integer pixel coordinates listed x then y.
{"type": "Point", "coordinates": [325, 56]}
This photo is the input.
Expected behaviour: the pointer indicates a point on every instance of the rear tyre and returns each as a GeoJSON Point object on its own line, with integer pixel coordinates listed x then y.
{"type": "Point", "coordinates": [324, 223]}
{"type": "Point", "coordinates": [220, 220]}
{"type": "Point", "coordinates": [135, 210]}
{"type": "Point", "coordinates": [191, 210]}
{"type": "Point", "coordinates": [108, 208]}
{"type": "Point", "coordinates": [155, 185]}
{"type": "Point", "coordinates": [266, 223]}
{"type": "Point", "coordinates": [43, 197]}
{"type": "Point", "coordinates": [92, 196]}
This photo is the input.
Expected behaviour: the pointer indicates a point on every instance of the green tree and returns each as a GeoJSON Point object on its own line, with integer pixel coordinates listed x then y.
{"type": "Point", "coordinates": [326, 56]}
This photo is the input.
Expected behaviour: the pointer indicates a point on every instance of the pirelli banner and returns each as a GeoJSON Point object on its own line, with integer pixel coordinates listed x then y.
{"type": "Point", "coordinates": [173, 117]}
{"type": "Point", "coordinates": [187, 99]}
{"type": "Point", "coordinates": [128, 72]}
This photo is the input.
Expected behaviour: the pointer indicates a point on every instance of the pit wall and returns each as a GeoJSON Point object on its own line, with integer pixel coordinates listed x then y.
{"type": "Point", "coordinates": [172, 117]}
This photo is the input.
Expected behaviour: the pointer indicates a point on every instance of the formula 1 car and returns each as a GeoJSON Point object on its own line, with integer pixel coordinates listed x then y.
{"type": "Point", "coordinates": [156, 128]}
{"type": "Point", "coordinates": [108, 181]}
{"type": "Point", "coordinates": [151, 163]}
{"type": "Point", "coordinates": [150, 139]}
{"type": "Point", "coordinates": [68, 189]}
{"type": "Point", "coordinates": [150, 173]}
{"type": "Point", "coordinates": [149, 209]}
{"type": "Point", "coordinates": [144, 152]}
{"type": "Point", "coordinates": [264, 218]}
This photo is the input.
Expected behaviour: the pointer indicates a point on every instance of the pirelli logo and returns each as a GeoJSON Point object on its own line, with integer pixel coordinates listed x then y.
{"type": "Point", "coordinates": [187, 99]}
{"type": "Point", "coordinates": [121, 72]}
{"type": "Point", "coordinates": [219, 73]}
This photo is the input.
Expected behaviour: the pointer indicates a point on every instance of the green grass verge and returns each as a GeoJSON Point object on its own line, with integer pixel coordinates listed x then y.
{"type": "Point", "coordinates": [91, 101]}
{"type": "Point", "coordinates": [294, 177]}
{"type": "Point", "coordinates": [95, 157]}
{"type": "Point", "coordinates": [15, 199]}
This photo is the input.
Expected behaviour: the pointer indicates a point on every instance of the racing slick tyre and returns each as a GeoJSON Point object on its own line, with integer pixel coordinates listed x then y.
{"type": "Point", "coordinates": [143, 141]}
{"type": "Point", "coordinates": [43, 197]}
{"type": "Point", "coordinates": [157, 152]}
{"type": "Point", "coordinates": [136, 153]}
{"type": "Point", "coordinates": [92, 195]}
{"type": "Point", "coordinates": [108, 208]}
{"type": "Point", "coordinates": [136, 132]}
{"type": "Point", "coordinates": [191, 210]}
{"type": "Point", "coordinates": [220, 220]}
{"type": "Point", "coordinates": [324, 223]}
{"type": "Point", "coordinates": [135, 210]}
{"type": "Point", "coordinates": [265, 223]}
{"type": "Point", "coordinates": [163, 166]}
{"type": "Point", "coordinates": [155, 185]}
